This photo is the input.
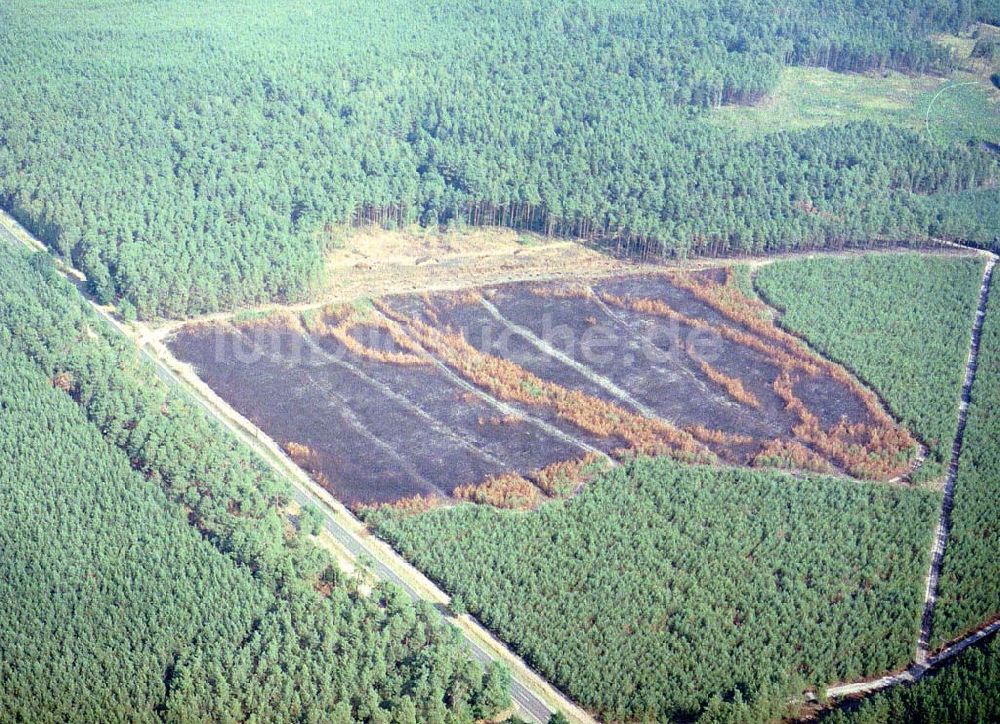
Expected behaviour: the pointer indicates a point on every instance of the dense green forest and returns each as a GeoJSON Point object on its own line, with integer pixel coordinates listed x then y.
{"type": "Point", "coordinates": [113, 587]}
{"type": "Point", "coordinates": [664, 590]}
{"type": "Point", "coordinates": [972, 217]}
{"type": "Point", "coordinates": [966, 692]}
{"type": "Point", "coordinates": [969, 590]}
{"type": "Point", "coordinates": [901, 322]}
{"type": "Point", "coordinates": [196, 155]}
{"type": "Point", "coordinates": [153, 570]}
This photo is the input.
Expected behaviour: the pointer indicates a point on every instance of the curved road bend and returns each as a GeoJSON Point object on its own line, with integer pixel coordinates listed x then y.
{"type": "Point", "coordinates": [534, 697]}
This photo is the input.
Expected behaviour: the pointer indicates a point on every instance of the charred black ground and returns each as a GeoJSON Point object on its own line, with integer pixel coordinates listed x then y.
{"type": "Point", "coordinates": [424, 395]}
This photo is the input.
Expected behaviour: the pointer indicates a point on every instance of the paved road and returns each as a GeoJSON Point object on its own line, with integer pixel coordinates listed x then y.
{"type": "Point", "coordinates": [531, 706]}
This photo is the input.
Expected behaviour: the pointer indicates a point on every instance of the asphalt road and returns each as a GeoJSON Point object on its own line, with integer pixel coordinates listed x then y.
{"type": "Point", "coordinates": [529, 705]}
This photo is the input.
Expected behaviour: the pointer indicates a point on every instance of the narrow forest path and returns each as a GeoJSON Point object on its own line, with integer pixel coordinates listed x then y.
{"type": "Point", "coordinates": [534, 697]}
{"type": "Point", "coordinates": [404, 282]}
{"type": "Point", "coordinates": [944, 518]}
{"type": "Point", "coordinates": [924, 661]}
{"type": "Point", "coordinates": [915, 671]}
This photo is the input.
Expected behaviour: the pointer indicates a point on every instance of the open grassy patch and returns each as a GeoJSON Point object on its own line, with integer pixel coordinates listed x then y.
{"type": "Point", "coordinates": [961, 107]}
{"type": "Point", "coordinates": [806, 97]}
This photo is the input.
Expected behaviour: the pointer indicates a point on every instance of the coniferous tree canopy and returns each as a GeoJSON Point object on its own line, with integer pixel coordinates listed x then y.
{"type": "Point", "coordinates": [149, 569]}
{"type": "Point", "coordinates": [901, 322]}
{"type": "Point", "coordinates": [967, 691]}
{"type": "Point", "coordinates": [970, 572]}
{"type": "Point", "coordinates": [190, 156]}
{"type": "Point", "coordinates": [736, 587]}
{"type": "Point", "coordinates": [971, 217]}
{"type": "Point", "coordinates": [667, 591]}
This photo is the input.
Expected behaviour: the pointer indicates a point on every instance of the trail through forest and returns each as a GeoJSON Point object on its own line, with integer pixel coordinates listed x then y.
{"type": "Point", "coordinates": [527, 685]}
{"type": "Point", "coordinates": [944, 519]}
{"type": "Point", "coordinates": [915, 671]}
{"type": "Point", "coordinates": [403, 280]}
{"type": "Point", "coordinates": [924, 661]}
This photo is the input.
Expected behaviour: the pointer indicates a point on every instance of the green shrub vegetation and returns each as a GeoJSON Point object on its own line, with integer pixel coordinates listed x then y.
{"type": "Point", "coordinates": [969, 591]}
{"type": "Point", "coordinates": [200, 155]}
{"type": "Point", "coordinates": [963, 110]}
{"type": "Point", "coordinates": [966, 692]}
{"type": "Point", "coordinates": [149, 571]}
{"type": "Point", "coordinates": [987, 47]}
{"type": "Point", "coordinates": [902, 322]}
{"type": "Point", "coordinates": [664, 590]}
